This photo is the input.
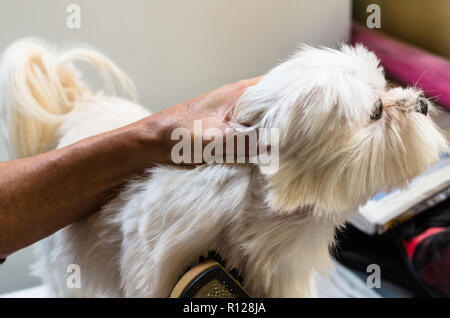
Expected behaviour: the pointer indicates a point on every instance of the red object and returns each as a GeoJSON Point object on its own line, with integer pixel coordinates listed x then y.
{"type": "Point", "coordinates": [410, 246]}
{"type": "Point", "coordinates": [408, 64]}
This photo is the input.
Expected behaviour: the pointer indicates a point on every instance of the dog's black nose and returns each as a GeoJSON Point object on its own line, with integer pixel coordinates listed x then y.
{"type": "Point", "coordinates": [423, 106]}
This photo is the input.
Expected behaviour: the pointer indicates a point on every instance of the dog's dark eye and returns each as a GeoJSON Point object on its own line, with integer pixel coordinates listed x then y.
{"type": "Point", "coordinates": [378, 111]}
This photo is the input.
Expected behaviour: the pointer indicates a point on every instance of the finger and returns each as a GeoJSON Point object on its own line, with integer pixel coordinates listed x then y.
{"type": "Point", "coordinates": [246, 84]}
{"type": "Point", "coordinates": [253, 81]}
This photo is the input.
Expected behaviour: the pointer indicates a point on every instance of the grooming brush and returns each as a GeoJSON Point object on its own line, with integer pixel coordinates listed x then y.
{"type": "Point", "coordinates": [209, 279]}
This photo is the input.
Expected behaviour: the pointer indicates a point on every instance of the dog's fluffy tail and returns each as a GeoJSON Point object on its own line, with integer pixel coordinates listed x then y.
{"type": "Point", "coordinates": [39, 86]}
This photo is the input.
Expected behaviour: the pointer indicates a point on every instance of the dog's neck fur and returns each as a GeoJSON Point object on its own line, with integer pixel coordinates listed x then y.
{"type": "Point", "coordinates": [271, 249]}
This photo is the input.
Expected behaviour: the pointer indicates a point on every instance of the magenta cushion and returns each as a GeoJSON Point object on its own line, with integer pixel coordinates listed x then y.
{"type": "Point", "coordinates": [408, 64]}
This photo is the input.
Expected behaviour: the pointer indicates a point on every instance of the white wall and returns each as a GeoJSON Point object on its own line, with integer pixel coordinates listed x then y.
{"type": "Point", "coordinates": [176, 49]}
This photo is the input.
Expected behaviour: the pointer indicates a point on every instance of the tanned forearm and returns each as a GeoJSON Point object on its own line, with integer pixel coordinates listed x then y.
{"type": "Point", "coordinates": [41, 194]}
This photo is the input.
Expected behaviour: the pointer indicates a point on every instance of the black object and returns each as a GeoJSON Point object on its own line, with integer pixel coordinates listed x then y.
{"type": "Point", "coordinates": [424, 243]}
{"type": "Point", "coordinates": [357, 250]}
{"type": "Point", "coordinates": [423, 106]}
{"type": "Point", "coordinates": [414, 255]}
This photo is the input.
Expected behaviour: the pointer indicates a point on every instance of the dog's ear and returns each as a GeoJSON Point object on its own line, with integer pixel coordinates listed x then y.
{"type": "Point", "coordinates": [304, 116]}
{"type": "Point", "coordinates": [313, 142]}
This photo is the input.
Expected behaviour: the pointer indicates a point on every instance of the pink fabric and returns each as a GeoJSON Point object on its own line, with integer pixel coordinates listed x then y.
{"type": "Point", "coordinates": [407, 63]}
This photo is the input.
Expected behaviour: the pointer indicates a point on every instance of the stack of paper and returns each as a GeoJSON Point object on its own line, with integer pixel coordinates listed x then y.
{"type": "Point", "coordinates": [386, 210]}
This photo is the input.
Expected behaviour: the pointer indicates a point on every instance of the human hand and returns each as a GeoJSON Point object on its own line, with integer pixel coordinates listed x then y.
{"type": "Point", "coordinates": [213, 109]}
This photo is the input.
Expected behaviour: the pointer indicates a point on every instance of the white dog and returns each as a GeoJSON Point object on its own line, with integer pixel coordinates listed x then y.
{"type": "Point", "coordinates": [343, 137]}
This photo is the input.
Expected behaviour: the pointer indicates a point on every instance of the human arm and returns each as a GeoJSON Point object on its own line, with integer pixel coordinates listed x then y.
{"type": "Point", "coordinates": [44, 193]}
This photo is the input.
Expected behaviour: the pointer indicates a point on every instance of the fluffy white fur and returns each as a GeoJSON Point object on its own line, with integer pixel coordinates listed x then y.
{"type": "Point", "coordinates": [276, 229]}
